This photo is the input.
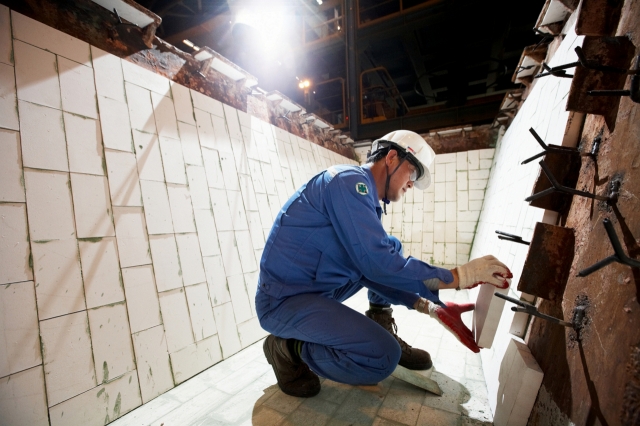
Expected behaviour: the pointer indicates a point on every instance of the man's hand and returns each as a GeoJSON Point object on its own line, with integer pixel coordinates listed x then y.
{"type": "Point", "coordinates": [484, 270]}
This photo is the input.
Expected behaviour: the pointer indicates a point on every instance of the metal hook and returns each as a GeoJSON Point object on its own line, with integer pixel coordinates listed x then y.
{"type": "Point", "coordinates": [549, 148]}
{"type": "Point", "coordinates": [634, 88]}
{"type": "Point", "coordinates": [532, 310]}
{"type": "Point", "coordinates": [619, 255]}
{"type": "Point", "coordinates": [556, 187]}
{"type": "Point", "coordinates": [511, 237]}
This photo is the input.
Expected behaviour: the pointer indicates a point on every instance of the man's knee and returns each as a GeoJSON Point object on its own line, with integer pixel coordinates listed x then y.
{"type": "Point", "coordinates": [387, 355]}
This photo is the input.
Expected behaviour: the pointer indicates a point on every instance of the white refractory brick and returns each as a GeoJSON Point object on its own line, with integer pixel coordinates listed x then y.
{"type": "Point", "coordinates": [466, 226]}
{"type": "Point", "coordinates": [238, 213]}
{"type": "Point", "coordinates": [198, 188]}
{"type": "Point", "coordinates": [142, 298]}
{"type": "Point", "coordinates": [19, 330]}
{"type": "Point", "coordinates": [478, 184]}
{"type": "Point", "coordinates": [172, 161]}
{"type": "Point", "coordinates": [221, 211]}
{"type": "Point", "coordinates": [475, 205]}
{"type": "Point", "coordinates": [190, 144]}
{"type": "Point", "coordinates": [122, 170]}
{"type": "Point", "coordinates": [157, 210]}
{"type": "Point", "coordinates": [486, 153]}
{"type": "Point", "coordinates": [248, 194]}
{"type": "Point", "coordinates": [206, 103]}
{"type": "Point", "coordinates": [231, 114]}
{"type": "Point", "coordinates": [486, 316]}
{"type": "Point", "coordinates": [166, 264]}
{"type": "Point", "coordinates": [152, 360]}
{"type": "Point", "coordinates": [229, 174]}
{"type": "Point", "coordinates": [200, 311]}
{"type": "Point", "coordinates": [446, 158]}
{"type": "Point", "coordinates": [48, 38]}
{"type": "Point", "coordinates": [229, 249]}
{"type": "Point", "coordinates": [251, 282]}
{"type": "Point", "coordinates": [476, 194]}
{"type": "Point", "coordinates": [450, 172]}
{"type": "Point", "coordinates": [440, 173]}
{"type": "Point", "coordinates": [212, 168]}
{"type": "Point", "coordinates": [239, 298]}
{"type": "Point", "coordinates": [439, 232]}
{"type": "Point", "coordinates": [462, 248]}
{"type": "Point", "coordinates": [227, 331]}
{"type": "Point", "coordinates": [131, 235]}
{"type": "Point", "coordinates": [195, 358]}
{"type": "Point", "coordinates": [111, 341]}
{"type": "Point", "coordinates": [100, 272]}
{"type": "Point", "coordinates": [223, 141]}
{"type": "Point", "coordinates": [50, 208]}
{"type": "Point", "coordinates": [205, 129]}
{"type": "Point", "coordinates": [114, 120]}
{"type": "Point", "coordinates": [440, 191]}
{"type": "Point", "coordinates": [147, 148]}
{"type": "Point", "coordinates": [245, 251]}
{"type": "Point", "coordinates": [427, 224]}
{"type": "Point", "coordinates": [440, 212]}
{"type": "Point", "coordinates": [190, 259]}
{"type": "Point", "coordinates": [144, 78]}
{"type": "Point", "coordinates": [520, 379]}
{"type": "Point", "coordinates": [22, 396]}
{"type": "Point", "coordinates": [450, 211]}
{"type": "Point", "coordinates": [6, 47]}
{"type": "Point", "coordinates": [450, 232]}
{"type": "Point", "coordinates": [250, 332]}
{"type": "Point", "coordinates": [8, 98]}
{"type": "Point", "coordinates": [92, 206]}
{"type": "Point", "coordinates": [108, 74]}
{"type": "Point", "coordinates": [175, 317]}
{"type": "Point", "coordinates": [465, 237]}
{"type": "Point", "coordinates": [67, 372]}
{"type": "Point", "coordinates": [450, 191]}
{"type": "Point", "coordinates": [42, 137]}
{"type": "Point", "coordinates": [58, 278]}
{"type": "Point", "coordinates": [461, 161]}
{"type": "Point", "coordinates": [183, 103]}
{"type": "Point", "coordinates": [462, 181]}
{"type": "Point", "coordinates": [473, 160]}
{"type": "Point", "coordinates": [84, 144]}
{"type": "Point", "coordinates": [274, 204]}
{"type": "Point", "coordinates": [140, 108]}
{"type": "Point", "coordinates": [181, 210]}
{"type": "Point", "coordinates": [207, 234]}
{"type": "Point", "coordinates": [438, 253]}
{"type": "Point", "coordinates": [468, 216]}
{"type": "Point", "coordinates": [115, 398]}
{"type": "Point", "coordinates": [450, 254]}
{"type": "Point", "coordinates": [478, 174]}
{"type": "Point", "coordinates": [462, 200]}
{"type": "Point", "coordinates": [485, 163]}
{"type": "Point", "coordinates": [165, 116]}
{"type": "Point", "coordinates": [14, 244]}
{"type": "Point", "coordinates": [36, 75]}
{"type": "Point", "coordinates": [427, 242]}
{"type": "Point", "coordinates": [77, 88]}
{"type": "Point", "coordinates": [216, 280]}
{"type": "Point", "coordinates": [11, 180]}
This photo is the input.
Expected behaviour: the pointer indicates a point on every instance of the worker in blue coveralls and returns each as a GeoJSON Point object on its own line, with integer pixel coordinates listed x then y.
{"type": "Point", "coordinates": [326, 244]}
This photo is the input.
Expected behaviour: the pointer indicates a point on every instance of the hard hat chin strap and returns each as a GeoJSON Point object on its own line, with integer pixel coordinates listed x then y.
{"type": "Point", "coordinates": [385, 200]}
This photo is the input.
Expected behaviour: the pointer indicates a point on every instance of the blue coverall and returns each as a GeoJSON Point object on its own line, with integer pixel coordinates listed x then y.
{"type": "Point", "coordinates": [327, 243]}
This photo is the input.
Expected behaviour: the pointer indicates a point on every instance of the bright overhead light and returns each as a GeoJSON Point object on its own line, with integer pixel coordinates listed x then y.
{"type": "Point", "coordinates": [307, 83]}
{"type": "Point", "coordinates": [301, 85]}
{"type": "Point", "coordinates": [319, 1]}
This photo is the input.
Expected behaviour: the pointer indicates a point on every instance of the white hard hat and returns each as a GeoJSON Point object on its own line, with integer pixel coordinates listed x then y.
{"type": "Point", "coordinates": [416, 149]}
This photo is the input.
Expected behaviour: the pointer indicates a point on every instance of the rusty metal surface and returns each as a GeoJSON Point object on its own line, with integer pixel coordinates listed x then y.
{"type": "Point", "coordinates": [565, 169]}
{"type": "Point", "coordinates": [599, 17]}
{"type": "Point", "coordinates": [611, 51]}
{"type": "Point", "coordinates": [479, 137]}
{"type": "Point", "coordinates": [548, 261]}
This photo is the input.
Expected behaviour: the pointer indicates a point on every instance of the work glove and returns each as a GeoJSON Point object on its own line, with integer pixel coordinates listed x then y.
{"type": "Point", "coordinates": [484, 270]}
{"type": "Point", "coordinates": [449, 318]}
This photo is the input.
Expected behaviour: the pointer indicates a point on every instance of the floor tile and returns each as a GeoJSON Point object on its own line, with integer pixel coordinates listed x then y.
{"type": "Point", "coordinates": [8, 98]}
{"type": "Point", "coordinates": [100, 271]}
{"type": "Point", "coordinates": [116, 128]}
{"type": "Point", "coordinates": [156, 207]}
{"type": "Point", "coordinates": [92, 206]}
{"type": "Point", "coordinates": [122, 170]}
{"type": "Point", "coordinates": [431, 416]}
{"type": "Point", "coordinates": [183, 103]}
{"type": "Point", "coordinates": [181, 210]}
{"type": "Point", "coordinates": [152, 360]}
{"type": "Point", "coordinates": [190, 259]}
{"type": "Point", "coordinates": [131, 235]}
{"type": "Point", "coordinates": [84, 145]}
{"type": "Point", "coordinates": [172, 161]}
{"type": "Point", "coordinates": [108, 74]}
{"type": "Point", "coordinates": [142, 298]}
{"type": "Point", "coordinates": [36, 75]}
{"type": "Point", "coordinates": [166, 264]}
{"type": "Point", "coordinates": [77, 88]}
{"type": "Point", "coordinates": [14, 244]}
{"type": "Point", "coordinates": [19, 328]}
{"type": "Point", "coordinates": [175, 318]}
{"type": "Point", "coordinates": [402, 403]}
{"type": "Point", "coordinates": [48, 38]}
{"type": "Point", "coordinates": [42, 137]}
{"type": "Point", "coordinates": [58, 278]}
{"type": "Point", "coordinates": [148, 156]}
{"type": "Point", "coordinates": [23, 399]}
{"type": "Point", "coordinates": [165, 116]}
{"type": "Point", "coordinates": [200, 311]}
{"type": "Point", "coordinates": [67, 373]}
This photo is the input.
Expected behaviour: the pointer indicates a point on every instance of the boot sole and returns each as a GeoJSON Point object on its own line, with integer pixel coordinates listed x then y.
{"type": "Point", "coordinates": [269, 356]}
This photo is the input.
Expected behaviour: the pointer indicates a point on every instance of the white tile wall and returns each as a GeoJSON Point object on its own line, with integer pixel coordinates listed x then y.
{"type": "Point", "coordinates": [133, 241]}
{"type": "Point", "coordinates": [190, 259]}
{"type": "Point", "coordinates": [200, 311]}
{"type": "Point", "coordinates": [8, 98]}
{"type": "Point", "coordinates": [36, 77]}
{"type": "Point", "coordinates": [227, 331]}
{"type": "Point", "coordinates": [191, 360]}
{"type": "Point", "coordinates": [145, 78]}
{"type": "Point", "coordinates": [20, 390]}
{"type": "Point", "coordinates": [182, 103]}
{"type": "Point", "coordinates": [77, 88]}
{"type": "Point", "coordinates": [175, 317]}
{"type": "Point", "coordinates": [165, 116]}
{"type": "Point", "coordinates": [92, 206]}
{"type": "Point", "coordinates": [116, 128]}
{"type": "Point", "coordinates": [42, 137]}
{"type": "Point", "coordinates": [207, 234]}
{"type": "Point", "coordinates": [142, 298]}
{"type": "Point", "coordinates": [108, 74]}
{"type": "Point", "coordinates": [173, 163]}
{"type": "Point", "coordinates": [100, 271]}
{"type": "Point", "coordinates": [216, 280]}
{"type": "Point", "coordinates": [166, 264]}
{"type": "Point", "coordinates": [157, 210]}
{"type": "Point", "coordinates": [148, 156]}
{"type": "Point", "coordinates": [181, 209]}
{"type": "Point", "coordinates": [14, 244]}
{"type": "Point", "coordinates": [152, 360]}
{"type": "Point", "coordinates": [123, 178]}
{"type": "Point", "coordinates": [84, 144]}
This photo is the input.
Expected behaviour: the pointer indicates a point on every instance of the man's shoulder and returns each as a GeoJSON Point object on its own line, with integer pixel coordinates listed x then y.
{"type": "Point", "coordinates": [345, 171]}
{"type": "Point", "coordinates": [354, 178]}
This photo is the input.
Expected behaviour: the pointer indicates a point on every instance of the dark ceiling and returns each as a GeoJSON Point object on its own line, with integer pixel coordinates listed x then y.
{"type": "Point", "coordinates": [438, 63]}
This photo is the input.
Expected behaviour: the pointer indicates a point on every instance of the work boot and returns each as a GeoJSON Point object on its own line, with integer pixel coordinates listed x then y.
{"type": "Point", "coordinates": [411, 358]}
{"type": "Point", "coordinates": [294, 376]}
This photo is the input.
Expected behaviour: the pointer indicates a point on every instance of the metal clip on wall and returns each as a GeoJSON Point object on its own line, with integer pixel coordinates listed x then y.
{"type": "Point", "coordinates": [549, 148]}
{"type": "Point", "coordinates": [556, 187]}
{"type": "Point", "coordinates": [619, 255]}
{"type": "Point", "coordinates": [559, 71]}
{"type": "Point", "coordinates": [634, 88]}
{"type": "Point", "coordinates": [511, 237]}
{"type": "Point", "coordinates": [532, 310]}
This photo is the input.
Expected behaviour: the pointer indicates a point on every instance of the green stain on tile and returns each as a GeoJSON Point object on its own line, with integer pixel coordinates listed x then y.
{"type": "Point", "coordinates": [22, 180]}
{"type": "Point", "coordinates": [117, 406]}
{"type": "Point", "coordinates": [101, 392]}
{"type": "Point", "coordinates": [130, 377]}
{"type": "Point", "coordinates": [150, 372]}
{"type": "Point", "coordinates": [42, 241]}
{"type": "Point", "coordinates": [105, 372]}
{"type": "Point", "coordinates": [104, 166]}
{"type": "Point", "coordinates": [31, 261]}
{"type": "Point", "coordinates": [91, 239]}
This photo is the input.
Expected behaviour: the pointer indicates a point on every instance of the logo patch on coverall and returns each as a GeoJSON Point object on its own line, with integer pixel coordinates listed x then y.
{"type": "Point", "coordinates": [362, 188]}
